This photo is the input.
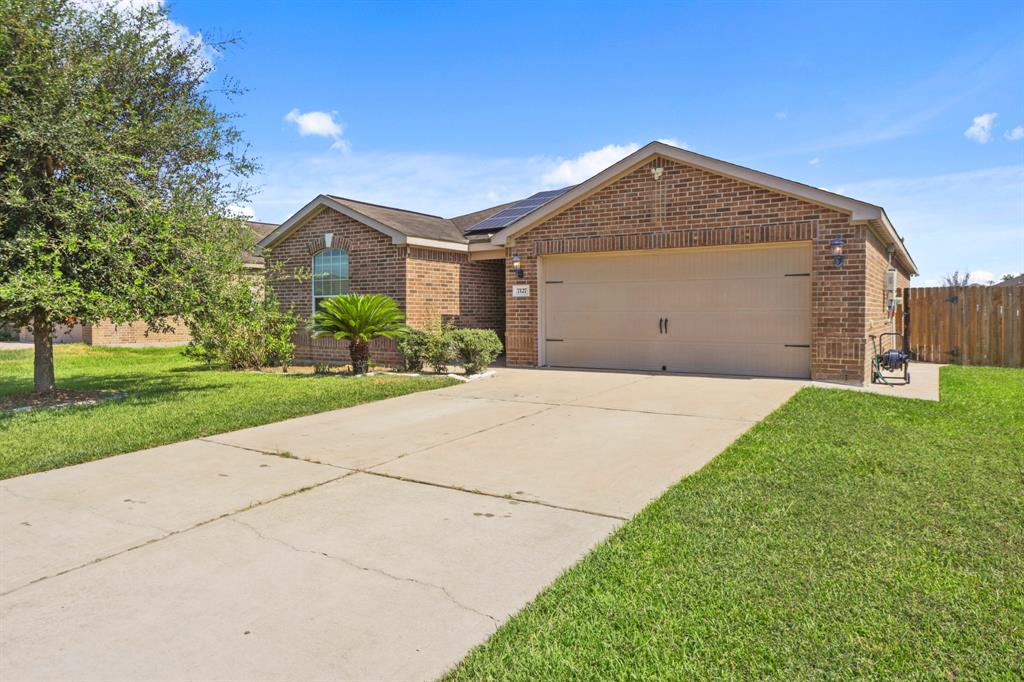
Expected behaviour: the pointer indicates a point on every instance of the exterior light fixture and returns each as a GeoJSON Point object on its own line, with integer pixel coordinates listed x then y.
{"type": "Point", "coordinates": [837, 251]}
{"type": "Point", "coordinates": [517, 266]}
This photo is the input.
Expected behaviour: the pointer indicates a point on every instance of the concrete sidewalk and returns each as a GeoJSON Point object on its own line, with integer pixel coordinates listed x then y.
{"type": "Point", "coordinates": [390, 539]}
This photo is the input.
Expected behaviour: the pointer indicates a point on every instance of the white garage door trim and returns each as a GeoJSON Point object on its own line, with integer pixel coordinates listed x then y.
{"type": "Point", "coordinates": [543, 295]}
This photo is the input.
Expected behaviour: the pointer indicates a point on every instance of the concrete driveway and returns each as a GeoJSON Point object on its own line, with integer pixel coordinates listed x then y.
{"type": "Point", "coordinates": [377, 542]}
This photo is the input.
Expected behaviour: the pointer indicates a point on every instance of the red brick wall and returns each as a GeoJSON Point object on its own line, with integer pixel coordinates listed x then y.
{"type": "Point", "coordinates": [876, 311]}
{"type": "Point", "coordinates": [450, 286]}
{"type": "Point", "coordinates": [376, 266]}
{"type": "Point", "coordinates": [107, 332]}
{"type": "Point", "coordinates": [690, 207]}
{"type": "Point", "coordinates": [427, 283]}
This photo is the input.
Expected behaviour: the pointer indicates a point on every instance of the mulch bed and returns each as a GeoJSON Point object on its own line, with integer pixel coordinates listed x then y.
{"type": "Point", "coordinates": [60, 397]}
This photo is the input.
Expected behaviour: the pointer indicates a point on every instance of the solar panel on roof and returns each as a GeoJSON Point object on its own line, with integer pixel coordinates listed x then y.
{"type": "Point", "coordinates": [507, 216]}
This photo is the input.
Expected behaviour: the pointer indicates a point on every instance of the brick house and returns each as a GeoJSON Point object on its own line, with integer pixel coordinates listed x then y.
{"type": "Point", "coordinates": [666, 261]}
{"type": "Point", "coordinates": [109, 333]}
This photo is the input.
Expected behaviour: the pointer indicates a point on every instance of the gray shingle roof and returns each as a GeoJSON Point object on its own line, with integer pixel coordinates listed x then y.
{"type": "Point", "coordinates": [410, 223]}
{"type": "Point", "coordinates": [260, 230]}
{"type": "Point", "coordinates": [459, 229]}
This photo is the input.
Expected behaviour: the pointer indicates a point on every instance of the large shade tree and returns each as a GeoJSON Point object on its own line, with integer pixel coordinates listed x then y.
{"type": "Point", "coordinates": [116, 169]}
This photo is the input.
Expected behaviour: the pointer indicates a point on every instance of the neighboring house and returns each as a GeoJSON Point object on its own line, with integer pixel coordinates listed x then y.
{"type": "Point", "coordinates": [1017, 281]}
{"type": "Point", "coordinates": [666, 261]}
{"type": "Point", "coordinates": [108, 333]}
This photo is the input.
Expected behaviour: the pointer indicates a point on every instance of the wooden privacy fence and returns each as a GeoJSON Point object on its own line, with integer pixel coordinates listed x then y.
{"type": "Point", "coordinates": [976, 325]}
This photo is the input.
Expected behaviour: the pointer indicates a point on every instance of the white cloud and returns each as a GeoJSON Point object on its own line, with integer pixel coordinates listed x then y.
{"type": "Point", "coordinates": [815, 161]}
{"type": "Point", "coordinates": [982, 277]}
{"type": "Point", "coordinates": [236, 211]}
{"type": "Point", "coordinates": [1015, 134]}
{"type": "Point", "coordinates": [319, 123]}
{"type": "Point", "coordinates": [441, 184]}
{"type": "Point", "coordinates": [589, 164]}
{"type": "Point", "coordinates": [180, 34]}
{"type": "Point", "coordinates": [782, 115]}
{"type": "Point", "coordinates": [956, 220]}
{"type": "Point", "coordinates": [981, 129]}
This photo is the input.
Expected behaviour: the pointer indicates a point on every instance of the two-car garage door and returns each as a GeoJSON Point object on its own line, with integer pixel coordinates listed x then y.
{"type": "Point", "coordinates": [733, 310]}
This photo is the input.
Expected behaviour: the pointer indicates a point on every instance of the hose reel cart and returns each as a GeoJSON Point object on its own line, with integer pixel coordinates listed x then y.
{"type": "Point", "coordinates": [890, 355]}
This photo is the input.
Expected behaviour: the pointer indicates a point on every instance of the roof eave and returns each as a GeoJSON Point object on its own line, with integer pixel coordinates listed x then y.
{"type": "Point", "coordinates": [893, 239]}
{"type": "Point", "coordinates": [397, 237]}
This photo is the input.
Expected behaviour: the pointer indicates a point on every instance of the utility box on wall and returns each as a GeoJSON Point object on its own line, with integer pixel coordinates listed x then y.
{"type": "Point", "coordinates": [890, 282]}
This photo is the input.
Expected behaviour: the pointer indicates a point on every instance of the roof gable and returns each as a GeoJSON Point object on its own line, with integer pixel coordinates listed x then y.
{"type": "Point", "coordinates": [404, 227]}
{"type": "Point", "coordinates": [859, 211]}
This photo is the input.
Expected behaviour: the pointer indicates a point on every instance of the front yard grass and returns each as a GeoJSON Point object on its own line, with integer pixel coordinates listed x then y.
{"type": "Point", "coordinates": [847, 536]}
{"type": "Point", "coordinates": [169, 398]}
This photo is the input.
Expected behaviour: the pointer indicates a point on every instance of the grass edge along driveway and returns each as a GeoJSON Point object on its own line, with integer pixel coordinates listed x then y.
{"type": "Point", "coordinates": [848, 535]}
{"type": "Point", "coordinates": [170, 399]}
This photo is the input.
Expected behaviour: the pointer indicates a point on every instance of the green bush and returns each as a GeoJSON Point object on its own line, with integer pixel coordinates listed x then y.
{"type": "Point", "coordinates": [439, 349]}
{"type": "Point", "coordinates": [477, 348]}
{"type": "Point", "coordinates": [413, 347]}
{"type": "Point", "coordinates": [246, 329]}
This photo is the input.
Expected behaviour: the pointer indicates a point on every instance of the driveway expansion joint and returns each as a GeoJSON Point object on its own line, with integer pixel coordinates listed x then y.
{"type": "Point", "coordinates": [359, 567]}
{"type": "Point", "coordinates": [277, 453]}
{"type": "Point", "coordinates": [509, 498]}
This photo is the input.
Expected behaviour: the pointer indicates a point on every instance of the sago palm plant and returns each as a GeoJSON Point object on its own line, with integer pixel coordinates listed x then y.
{"type": "Point", "coordinates": [359, 318]}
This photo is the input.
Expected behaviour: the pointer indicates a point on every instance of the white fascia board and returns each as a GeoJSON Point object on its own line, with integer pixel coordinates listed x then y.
{"type": "Point", "coordinates": [434, 244]}
{"type": "Point", "coordinates": [484, 246]}
{"type": "Point", "coordinates": [892, 238]}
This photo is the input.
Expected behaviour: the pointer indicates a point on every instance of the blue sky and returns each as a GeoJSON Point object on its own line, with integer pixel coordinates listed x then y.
{"type": "Point", "coordinates": [451, 107]}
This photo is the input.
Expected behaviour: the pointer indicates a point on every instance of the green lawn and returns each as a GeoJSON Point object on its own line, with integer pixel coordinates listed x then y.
{"type": "Point", "coordinates": [170, 398]}
{"type": "Point", "coordinates": [847, 536]}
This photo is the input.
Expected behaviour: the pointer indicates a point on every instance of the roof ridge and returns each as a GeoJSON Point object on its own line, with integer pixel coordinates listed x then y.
{"type": "Point", "coordinates": [390, 208]}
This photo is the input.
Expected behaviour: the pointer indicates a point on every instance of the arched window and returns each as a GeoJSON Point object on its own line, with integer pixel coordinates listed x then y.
{"type": "Point", "coordinates": [330, 275]}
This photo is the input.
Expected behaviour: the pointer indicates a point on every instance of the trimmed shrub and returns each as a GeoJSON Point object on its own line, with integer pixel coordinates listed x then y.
{"type": "Point", "coordinates": [413, 347]}
{"type": "Point", "coordinates": [477, 348]}
{"type": "Point", "coordinates": [439, 349]}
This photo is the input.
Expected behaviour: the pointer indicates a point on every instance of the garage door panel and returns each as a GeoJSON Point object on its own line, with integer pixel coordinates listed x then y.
{"type": "Point", "coordinates": [766, 326]}
{"type": "Point", "coordinates": [605, 354]}
{"type": "Point", "coordinates": [731, 311]}
{"type": "Point", "coordinates": [737, 358]}
{"type": "Point", "coordinates": [618, 298]}
{"type": "Point", "coordinates": [614, 326]}
{"type": "Point", "coordinates": [752, 294]}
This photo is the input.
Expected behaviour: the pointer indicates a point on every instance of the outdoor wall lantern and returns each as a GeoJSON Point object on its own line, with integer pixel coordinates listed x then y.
{"type": "Point", "coordinates": [517, 266]}
{"type": "Point", "coordinates": [837, 251]}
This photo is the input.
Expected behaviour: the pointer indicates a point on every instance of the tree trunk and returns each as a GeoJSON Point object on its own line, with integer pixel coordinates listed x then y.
{"type": "Point", "coordinates": [359, 352]}
{"type": "Point", "coordinates": [42, 334]}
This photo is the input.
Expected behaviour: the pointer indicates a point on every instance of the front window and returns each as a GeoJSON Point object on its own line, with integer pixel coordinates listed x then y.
{"type": "Point", "coordinates": [330, 275]}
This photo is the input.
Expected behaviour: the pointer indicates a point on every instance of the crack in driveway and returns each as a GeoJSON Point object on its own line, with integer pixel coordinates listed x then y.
{"type": "Point", "coordinates": [370, 569]}
{"type": "Point", "coordinates": [167, 533]}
